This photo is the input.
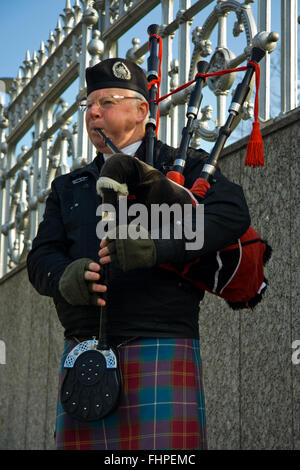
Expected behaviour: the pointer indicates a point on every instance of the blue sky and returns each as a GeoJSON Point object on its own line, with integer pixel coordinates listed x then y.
{"type": "Point", "coordinates": [23, 25]}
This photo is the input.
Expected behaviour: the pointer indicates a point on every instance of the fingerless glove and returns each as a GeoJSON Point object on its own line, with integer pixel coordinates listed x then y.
{"type": "Point", "coordinates": [74, 288]}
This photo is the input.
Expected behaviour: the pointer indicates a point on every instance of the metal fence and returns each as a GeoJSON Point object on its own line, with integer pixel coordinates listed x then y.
{"type": "Point", "coordinates": [42, 133]}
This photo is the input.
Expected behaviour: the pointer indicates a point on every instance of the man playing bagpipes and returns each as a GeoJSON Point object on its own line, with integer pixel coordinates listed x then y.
{"type": "Point", "coordinates": [152, 310]}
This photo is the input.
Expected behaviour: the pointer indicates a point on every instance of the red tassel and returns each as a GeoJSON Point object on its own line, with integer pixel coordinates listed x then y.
{"type": "Point", "coordinates": [255, 154]}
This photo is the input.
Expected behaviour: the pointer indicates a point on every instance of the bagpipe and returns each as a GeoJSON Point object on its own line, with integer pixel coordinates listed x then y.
{"type": "Point", "coordinates": [234, 273]}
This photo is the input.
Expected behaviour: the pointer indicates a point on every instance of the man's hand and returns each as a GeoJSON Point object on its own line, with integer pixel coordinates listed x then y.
{"type": "Point", "coordinates": [126, 252]}
{"type": "Point", "coordinates": [92, 274]}
{"type": "Point", "coordinates": [79, 283]}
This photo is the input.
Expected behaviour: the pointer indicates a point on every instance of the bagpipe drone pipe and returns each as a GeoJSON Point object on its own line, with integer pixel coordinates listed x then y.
{"type": "Point", "coordinates": [236, 272]}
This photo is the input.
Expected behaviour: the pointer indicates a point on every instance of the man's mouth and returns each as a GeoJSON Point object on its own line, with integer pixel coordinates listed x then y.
{"type": "Point", "coordinates": [107, 141]}
{"type": "Point", "coordinates": [97, 131]}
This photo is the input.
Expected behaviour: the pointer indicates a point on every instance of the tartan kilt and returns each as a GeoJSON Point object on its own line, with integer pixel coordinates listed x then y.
{"type": "Point", "coordinates": [161, 405]}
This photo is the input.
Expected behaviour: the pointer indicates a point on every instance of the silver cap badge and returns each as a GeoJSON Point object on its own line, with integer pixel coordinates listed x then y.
{"type": "Point", "coordinates": [120, 70]}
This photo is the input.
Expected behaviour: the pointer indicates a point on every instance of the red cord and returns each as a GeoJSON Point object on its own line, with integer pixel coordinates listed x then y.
{"type": "Point", "coordinates": [205, 75]}
{"type": "Point", "coordinates": [255, 147]}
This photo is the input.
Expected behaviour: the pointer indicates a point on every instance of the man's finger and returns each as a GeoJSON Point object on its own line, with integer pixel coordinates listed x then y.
{"type": "Point", "coordinates": [94, 267]}
{"type": "Point", "coordinates": [103, 252]}
{"type": "Point", "coordinates": [101, 302]}
{"type": "Point", "coordinates": [103, 243]}
{"type": "Point", "coordinates": [105, 260]}
{"type": "Point", "coordinates": [91, 276]}
{"type": "Point", "coordinates": [99, 287]}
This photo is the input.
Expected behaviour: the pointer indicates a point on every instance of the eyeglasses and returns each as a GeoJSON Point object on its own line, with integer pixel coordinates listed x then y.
{"type": "Point", "coordinates": [105, 102]}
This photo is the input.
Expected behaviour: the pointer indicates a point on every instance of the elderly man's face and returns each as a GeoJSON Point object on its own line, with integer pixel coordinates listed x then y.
{"type": "Point", "coordinates": [121, 119]}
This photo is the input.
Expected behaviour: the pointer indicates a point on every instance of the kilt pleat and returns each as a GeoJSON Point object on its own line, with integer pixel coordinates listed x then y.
{"type": "Point", "coordinates": [161, 406]}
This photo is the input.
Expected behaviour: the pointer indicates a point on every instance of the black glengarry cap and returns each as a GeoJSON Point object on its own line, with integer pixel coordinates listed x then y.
{"type": "Point", "coordinates": [116, 73]}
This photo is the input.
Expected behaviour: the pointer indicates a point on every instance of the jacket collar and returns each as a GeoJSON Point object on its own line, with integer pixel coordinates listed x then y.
{"type": "Point", "coordinates": [95, 166]}
{"type": "Point", "coordinates": [92, 168]}
{"type": "Point", "coordinates": [161, 157]}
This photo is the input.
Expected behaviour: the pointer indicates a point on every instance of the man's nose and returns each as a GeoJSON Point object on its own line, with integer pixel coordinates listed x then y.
{"type": "Point", "coordinates": [95, 110]}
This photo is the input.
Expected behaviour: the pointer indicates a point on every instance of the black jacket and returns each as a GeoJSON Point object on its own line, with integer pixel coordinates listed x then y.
{"type": "Point", "coordinates": [144, 302]}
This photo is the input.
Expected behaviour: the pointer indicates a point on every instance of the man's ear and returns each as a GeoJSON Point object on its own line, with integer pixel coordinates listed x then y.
{"type": "Point", "coordinates": [143, 110]}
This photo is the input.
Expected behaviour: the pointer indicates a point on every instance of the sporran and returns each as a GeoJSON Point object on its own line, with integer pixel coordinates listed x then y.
{"type": "Point", "coordinates": [93, 381]}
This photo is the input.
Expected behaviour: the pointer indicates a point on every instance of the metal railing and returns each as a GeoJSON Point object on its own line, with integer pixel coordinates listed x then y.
{"type": "Point", "coordinates": [42, 136]}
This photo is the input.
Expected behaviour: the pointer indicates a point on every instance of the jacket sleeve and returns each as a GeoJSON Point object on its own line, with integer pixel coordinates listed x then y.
{"type": "Point", "coordinates": [48, 257]}
{"type": "Point", "coordinates": [226, 218]}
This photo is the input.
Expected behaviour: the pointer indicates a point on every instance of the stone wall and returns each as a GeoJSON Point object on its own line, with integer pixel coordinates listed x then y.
{"type": "Point", "coordinates": [28, 381]}
{"type": "Point", "coordinates": [252, 386]}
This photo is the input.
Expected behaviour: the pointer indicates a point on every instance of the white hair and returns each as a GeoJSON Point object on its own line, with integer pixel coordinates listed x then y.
{"type": "Point", "coordinates": [139, 96]}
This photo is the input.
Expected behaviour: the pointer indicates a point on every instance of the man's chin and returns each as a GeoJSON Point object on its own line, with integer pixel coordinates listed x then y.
{"type": "Point", "coordinates": [98, 142]}
{"type": "Point", "coordinates": [102, 148]}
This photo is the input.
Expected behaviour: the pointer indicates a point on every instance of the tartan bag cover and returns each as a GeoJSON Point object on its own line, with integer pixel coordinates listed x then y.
{"type": "Point", "coordinates": [161, 406]}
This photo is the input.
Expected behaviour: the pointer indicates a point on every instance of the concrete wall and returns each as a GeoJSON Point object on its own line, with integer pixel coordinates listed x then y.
{"type": "Point", "coordinates": [252, 386]}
